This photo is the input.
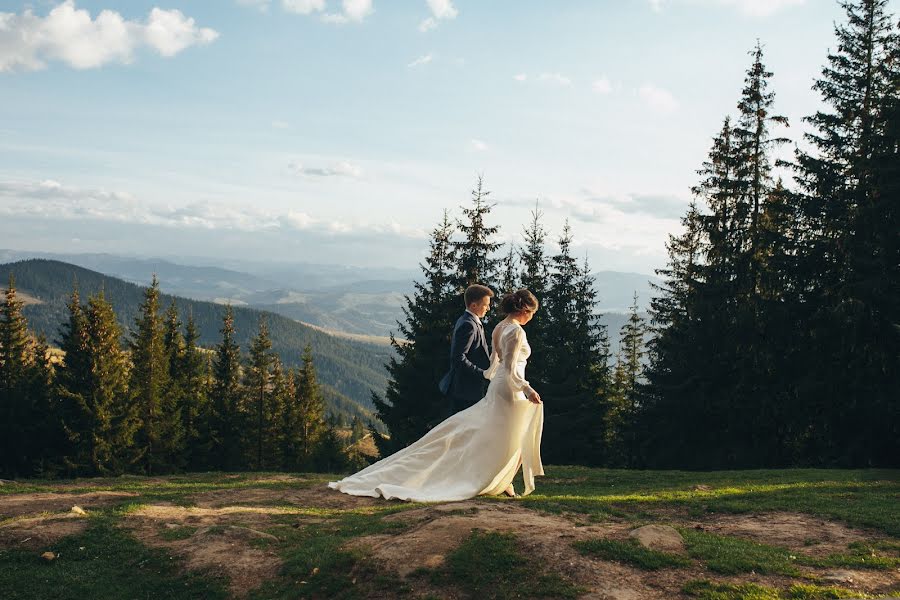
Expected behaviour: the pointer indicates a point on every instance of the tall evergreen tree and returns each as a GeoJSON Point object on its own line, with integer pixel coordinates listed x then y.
{"type": "Point", "coordinates": [848, 246]}
{"type": "Point", "coordinates": [258, 383]}
{"type": "Point", "coordinates": [227, 422]}
{"type": "Point", "coordinates": [310, 410]}
{"type": "Point", "coordinates": [412, 403]}
{"type": "Point", "coordinates": [535, 278]}
{"type": "Point", "coordinates": [194, 375]}
{"type": "Point", "coordinates": [108, 420]}
{"type": "Point", "coordinates": [149, 382]}
{"type": "Point", "coordinates": [73, 380]}
{"type": "Point", "coordinates": [475, 252]}
{"type": "Point", "coordinates": [16, 405]}
{"type": "Point", "coordinates": [573, 431]}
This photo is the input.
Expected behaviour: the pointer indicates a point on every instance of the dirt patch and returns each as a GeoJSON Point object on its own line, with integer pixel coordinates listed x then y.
{"type": "Point", "coordinates": [37, 533]}
{"type": "Point", "coordinates": [224, 540]}
{"type": "Point", "coordinates": [436, 530]}
{"type": "Point", "coordinates": [803, 533]}
{"type": "Point", "coordinates": [14, 505]}
{"type": "Point", "coordinates": [315, 496]}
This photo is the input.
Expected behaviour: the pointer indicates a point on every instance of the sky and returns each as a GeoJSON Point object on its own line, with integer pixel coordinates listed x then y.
{"type": "Point", "coordinates": [337, 132]}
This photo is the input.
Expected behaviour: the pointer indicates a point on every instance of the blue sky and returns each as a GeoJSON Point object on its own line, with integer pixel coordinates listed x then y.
{"type": "Point", "coordinates": [337, 132]}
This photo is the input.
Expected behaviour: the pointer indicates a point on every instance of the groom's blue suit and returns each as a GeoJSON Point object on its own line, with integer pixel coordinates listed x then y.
{"type": "Point", "coordinates": [464, 383]}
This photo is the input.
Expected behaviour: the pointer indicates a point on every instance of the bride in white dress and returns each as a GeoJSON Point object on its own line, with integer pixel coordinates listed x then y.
{"type": "Point", "coordinates": [479, 450]}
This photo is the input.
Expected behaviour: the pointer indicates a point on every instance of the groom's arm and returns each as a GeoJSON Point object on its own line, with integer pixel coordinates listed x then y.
{"type": "Point", "coordinates": [464, 337]}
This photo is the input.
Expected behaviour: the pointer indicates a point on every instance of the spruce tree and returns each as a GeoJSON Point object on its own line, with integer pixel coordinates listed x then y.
{"type": "Point", "coordinates": [16, 404]}
{"type": "Point", "coordinates": [227, 418]}
{"type": "Point", "coordinates": [281, 396]}
{"type": "Point", "coordinates": [73, 380]}
{"type": "Point", "coordinates": [535, 278]}
{"type": "Point", "coordinates": [412, 403]}
{"type": "Point", "coordinates": [149, 382]}
{"type": "Point", "coordinates": [194, 373]}
{"type": "Point", "coordinates": [310, 411]}
{"type": "Point", "coordinates": [475, 258]}
{"type": "Point", "coordinates": [849, 246]}
{"type": "Point", "coordinates": [573, 430]}
{"type": "Point", "coordinates": [258, 384]}
{"type": "Point", "coordinates": [107, 418]}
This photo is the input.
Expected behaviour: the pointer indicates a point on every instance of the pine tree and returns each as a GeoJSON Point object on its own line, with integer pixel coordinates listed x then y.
{"type": "Point", "coordinates": [676, 421]}
{"type": "Point", "coordinates": [412, 403]}
{"type": "Point", "coordinates": [475, 252]}
{"type": "Point", "coordinates": [535, 278]}
{"type": "Point", "coordinates": [573, 430]}
{"type": "Point", "coordinates": [509, 280]}
{"type": "Point", "coordinates": [73, 380]}
{"type": "Point", "coordinates": [310, 410]}
{"type": "Point", "coordinates": [227, 416]}
{"type": "Point", "coordinates": [108, 420]}
{"type": "Point", "coordinates": [330, 454]}
{"type": "Point", "coordinates": [258, 384]}
{"type": "Point", "coordinates": [47, 442]}
{"type": "Point", "coordinates": [193, 372]}
{"type": "Point", "coordinates": [150, 380]}
{"type": "Point", "coordinates": [848, 251]}
{"type": "Point", "coordinates": [281, 396]}
{"type": "Point", "coordinates": [16, 405]}
{"type": "Point", "coordinates": [289, 437]}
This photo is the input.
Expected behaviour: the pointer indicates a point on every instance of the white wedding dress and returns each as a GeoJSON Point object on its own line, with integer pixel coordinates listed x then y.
{"type": "Point", "coordinates": [476, 451]}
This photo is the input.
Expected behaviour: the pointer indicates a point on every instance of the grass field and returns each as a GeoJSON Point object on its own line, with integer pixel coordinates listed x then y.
{"type": "Point", "coordinates": [803, 534]}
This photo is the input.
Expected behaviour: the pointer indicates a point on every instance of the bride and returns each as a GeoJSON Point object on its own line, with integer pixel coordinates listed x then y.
{"type": "Point", "coordinates": [477, 451]}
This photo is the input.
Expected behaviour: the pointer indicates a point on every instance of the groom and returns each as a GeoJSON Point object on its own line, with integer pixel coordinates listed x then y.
{"type": "Point", "coordinates": [464, 384]}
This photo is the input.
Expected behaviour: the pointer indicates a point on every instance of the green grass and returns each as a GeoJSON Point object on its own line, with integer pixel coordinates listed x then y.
{"type": "Point", "coordinates": [177, 533]}
{"type": "Point", "coordinates": [858, 497]}
{"type": "Point", "coordinates": [815, 592]}
{"type": "Point", "coordinates": [731, 555]}
{"type": "Point", "coordinates": [707, 590]}
{"type": "Point", "coordinates": [489, 565]}
{"type": "Point", "coordinates": [316, 565]}
{"type": "Point", "coordinates": [632, 553]}
{"type": "Point", "coordinates": [102, 563]}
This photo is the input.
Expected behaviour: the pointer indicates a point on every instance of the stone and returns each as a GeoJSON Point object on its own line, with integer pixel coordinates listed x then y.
{"type": "Point", "coordinates": [48, 556]}
{"type": "Point", "coordinates": [78, 510]}
{"type": "Point", "coordinates": [659, 537]}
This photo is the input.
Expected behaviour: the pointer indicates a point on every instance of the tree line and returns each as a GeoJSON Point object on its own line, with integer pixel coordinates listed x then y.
{"type": "Point", "coordinates": [159, 403]}
{"type": "Point", "coordinates": [774, 339]}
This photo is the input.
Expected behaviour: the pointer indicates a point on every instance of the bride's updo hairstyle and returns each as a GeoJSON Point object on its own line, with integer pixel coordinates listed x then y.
{"type": "Point", "coordinates": [518, 301]}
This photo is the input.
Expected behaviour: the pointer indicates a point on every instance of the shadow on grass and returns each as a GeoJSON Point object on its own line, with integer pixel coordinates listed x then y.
{"type": "Point", "coordinates": [101, 563]}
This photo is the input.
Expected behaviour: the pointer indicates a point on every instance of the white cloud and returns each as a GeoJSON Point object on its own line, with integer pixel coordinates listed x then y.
{"type": "Point", "coordinates": [303, 7]}
{"type": "Point", "coordinates": [555, 79]}
{"type": "Point", "coordinates": [260, 5]}
{"type": "Point", "coordinates": [440, 10]}
{"type": "Point", "coordinates": [28, 41]}
{"type": "Point", "coordinates": [478, 145]}
{"type": "Point", "coordinates": [520, 77]}
{"type": "Point", "coordinates": [422, 60]}
{"type": "Point", "coordinates": [339, 169]}
{"type": "Point", "coordinates": [280, 125]}
{"type": "Point", "coordinates": [352, 10]}
{"type": "Point", "coordinates": [601, 86]}
{"type": "Point", "coordinates": [50, 201]}
{"type": "Point", "coordinates": [751, 8]}
{"type": "Point", "coordinates": [658, 99]}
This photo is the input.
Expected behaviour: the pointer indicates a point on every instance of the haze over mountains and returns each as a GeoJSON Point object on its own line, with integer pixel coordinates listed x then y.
{"type": "Point", "coordinates": [349, 369]}
{"type": "Point", "coordinates": [354, 300]}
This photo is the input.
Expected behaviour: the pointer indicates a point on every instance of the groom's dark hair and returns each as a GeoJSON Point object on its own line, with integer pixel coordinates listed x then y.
{"type": "Point", "coordinates": [476, 292]}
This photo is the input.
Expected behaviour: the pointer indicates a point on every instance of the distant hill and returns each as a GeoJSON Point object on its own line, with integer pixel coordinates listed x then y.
{"type": "Point", "coordinates": [349, 369]}
{"type": "Point", "coordinates": [365, 302]}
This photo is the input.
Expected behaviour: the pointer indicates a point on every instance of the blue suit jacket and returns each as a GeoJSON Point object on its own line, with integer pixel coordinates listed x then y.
{"type": "Point", "coordinates": [469, 358]}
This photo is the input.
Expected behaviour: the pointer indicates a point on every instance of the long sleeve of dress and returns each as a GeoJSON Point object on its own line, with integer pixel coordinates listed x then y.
{"type": "Point", "coordinates": [511, 343]}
